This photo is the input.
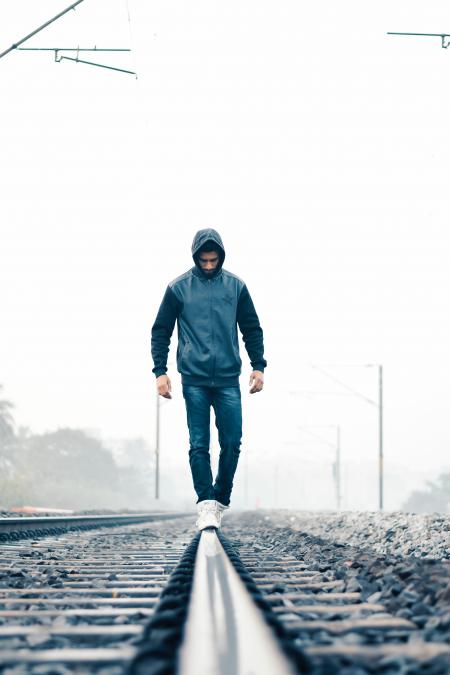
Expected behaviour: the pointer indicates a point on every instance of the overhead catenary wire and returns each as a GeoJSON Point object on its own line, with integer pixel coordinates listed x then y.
{"type": "Point", "coordinates": [317, 436]}
{"type": "Point", "coordinates": [342, 384]}
{"type": "Point", "coordinates": [15, 45]}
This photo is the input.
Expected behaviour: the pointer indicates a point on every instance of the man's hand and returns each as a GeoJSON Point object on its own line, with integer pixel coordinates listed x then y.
{"type": "Point", "coordinates": [164, 386]}
{"type": "Point", "coordinates": [256, 381]}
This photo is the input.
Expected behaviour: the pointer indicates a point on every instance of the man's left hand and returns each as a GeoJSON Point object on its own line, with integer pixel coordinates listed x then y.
{"type": "Point", "coordinates": [256, 381]}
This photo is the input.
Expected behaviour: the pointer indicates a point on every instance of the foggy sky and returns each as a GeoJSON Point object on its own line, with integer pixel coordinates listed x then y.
{"type": "Point", "coordinates": [313, 142]}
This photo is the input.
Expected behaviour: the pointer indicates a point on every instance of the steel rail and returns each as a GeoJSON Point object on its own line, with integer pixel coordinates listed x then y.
{"type": "Point", "coordinates": [225, 631]}
{"type": "Point", "coordinates": [11, 525]}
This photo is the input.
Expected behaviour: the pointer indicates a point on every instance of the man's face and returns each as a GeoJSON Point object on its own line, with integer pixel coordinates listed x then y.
{"type": "Point", "coordinates": [208, 262]}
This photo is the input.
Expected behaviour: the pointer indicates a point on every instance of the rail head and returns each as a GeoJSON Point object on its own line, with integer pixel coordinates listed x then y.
{"type": "Point", "coordinates": [225, 631]}
{"type": "Point", "coordinates": [50, 523]}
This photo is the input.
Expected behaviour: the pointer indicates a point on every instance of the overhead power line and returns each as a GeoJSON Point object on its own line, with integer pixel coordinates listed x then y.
{"type": "Point", "coordinates": [344, 385]}
{"type": "Point", "coordinates": [444, 44]}
{"type": "Point", "coordinates": [44, 25]}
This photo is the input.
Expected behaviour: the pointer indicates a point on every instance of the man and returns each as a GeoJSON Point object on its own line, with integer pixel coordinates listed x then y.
{"type": "Point", "coordinates": [208, 304]}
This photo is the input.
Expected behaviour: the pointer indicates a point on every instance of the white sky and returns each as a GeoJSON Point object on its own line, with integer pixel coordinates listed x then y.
{"type": "Point", "coordinates": [317, 145]}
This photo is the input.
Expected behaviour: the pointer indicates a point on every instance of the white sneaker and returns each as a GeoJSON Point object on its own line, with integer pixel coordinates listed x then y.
{"type": "Point", "coordinates": [222, 507]}
{"type": "Point", "coordinates": [209, 514]}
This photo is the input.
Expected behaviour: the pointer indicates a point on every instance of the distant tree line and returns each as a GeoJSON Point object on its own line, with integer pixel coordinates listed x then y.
{"type": "Point", "coordinates": [69, 468]}
{"type": "Point", "coordinates": [434, 498]}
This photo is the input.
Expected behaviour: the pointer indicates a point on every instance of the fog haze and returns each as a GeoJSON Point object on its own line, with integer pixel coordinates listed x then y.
{"type": "Point", "coordinates": [316, 145]}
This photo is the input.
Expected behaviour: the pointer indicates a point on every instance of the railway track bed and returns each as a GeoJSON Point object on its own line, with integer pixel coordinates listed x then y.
{"type": "Point", "coordinates": [349, 608]}
{"type": "Point", "coordinates": [77, 601]}
{"type": "Point", "coordinates": [134, 599]}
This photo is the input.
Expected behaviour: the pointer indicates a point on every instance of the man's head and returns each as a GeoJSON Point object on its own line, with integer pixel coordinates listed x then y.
{"type": "Point", "coordinates": [208, 258]}
{"type": "Point", "coordinates": [208, 251]}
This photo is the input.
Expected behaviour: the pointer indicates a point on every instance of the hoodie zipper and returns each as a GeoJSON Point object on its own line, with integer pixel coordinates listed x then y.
{"type": "Point", "coordinates": [213, 351]}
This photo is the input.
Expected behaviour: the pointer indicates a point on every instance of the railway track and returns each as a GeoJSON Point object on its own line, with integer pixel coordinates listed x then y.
{"type": "Point", "coordinates": [340, 630]}
{"type": "Point", "coordinates": [157, 598]}
{"type": "Point", "coordinates": [75, 600]}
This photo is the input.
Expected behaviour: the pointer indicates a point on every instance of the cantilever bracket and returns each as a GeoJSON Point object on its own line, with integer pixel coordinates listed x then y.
{"type": "Point", "coordinates": [99, 65]}
{"type": "Point", "coordinates": [445, 44]}
{"type": "Point", "coordinates": [60, 57]}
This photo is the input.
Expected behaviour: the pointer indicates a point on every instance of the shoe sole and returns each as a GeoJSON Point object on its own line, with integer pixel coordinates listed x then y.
{"type": "Point", "coordinates": [208, 522]}
{"type": "Point", "coordinates": [208, 527]}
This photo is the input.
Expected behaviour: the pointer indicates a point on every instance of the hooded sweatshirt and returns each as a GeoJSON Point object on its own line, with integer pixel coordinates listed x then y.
{"type": "Point", "coordinates": [207, 309]}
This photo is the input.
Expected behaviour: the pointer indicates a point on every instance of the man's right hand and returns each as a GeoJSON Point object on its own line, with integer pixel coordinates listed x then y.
{"type": "Point", "coordinates": [164, 386]}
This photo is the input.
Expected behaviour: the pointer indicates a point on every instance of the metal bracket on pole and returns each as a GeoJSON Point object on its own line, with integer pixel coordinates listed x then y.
{"type": "Point", "coordinates": [60, 57]}
{"type": "Point", "coordinates": [444, 43]}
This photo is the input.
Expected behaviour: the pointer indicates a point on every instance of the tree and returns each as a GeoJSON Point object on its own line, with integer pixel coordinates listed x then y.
{"type": "Point", "coordinates": [136, 463]}
{"type": "Point", "coordinates": [69, 469]}
{"type": "Point", "coordinates": [436, 498]}
{"type": "Point", "coordinates": [7, 426]}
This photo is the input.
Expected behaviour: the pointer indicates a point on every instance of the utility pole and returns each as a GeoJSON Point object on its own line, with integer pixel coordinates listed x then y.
{"type": "Point", "coordinates": [246, 478]}
{"type": "Point", "coordinates": [158, 440]}
{"type": "Point", "coordinates": [380, 436]}
{"type": "Point", "coordinates": [158, 407]}
{"type": "Point", "coordinates": [338, 467]}
{"type": "Point", "coordinates": [336, 446]}
{"type": "Point", "coordinates": [378, 404]}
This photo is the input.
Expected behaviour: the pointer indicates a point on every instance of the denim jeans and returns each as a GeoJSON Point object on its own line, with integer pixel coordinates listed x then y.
{"type": "Point", "coordinates": [226, 402]}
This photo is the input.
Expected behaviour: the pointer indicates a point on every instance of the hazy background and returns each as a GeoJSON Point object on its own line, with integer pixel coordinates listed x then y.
{"type": "Point", "coordinates": [316, 145]}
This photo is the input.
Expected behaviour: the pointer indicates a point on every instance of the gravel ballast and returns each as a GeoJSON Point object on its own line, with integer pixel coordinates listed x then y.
{"type": "Point", "coordinates": [398, 560]}
{"type": "Point", "coordinates": [397, 533]}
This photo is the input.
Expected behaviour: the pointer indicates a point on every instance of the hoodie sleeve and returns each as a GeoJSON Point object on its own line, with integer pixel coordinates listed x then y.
{"type": "Point", "coordinates": [162, 331]}
{"type": "Point", "coordinates": [251, 330]}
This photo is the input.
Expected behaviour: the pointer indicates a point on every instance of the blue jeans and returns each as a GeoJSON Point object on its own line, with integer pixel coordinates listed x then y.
{"type": "Point", "coordinates": [226, 402]}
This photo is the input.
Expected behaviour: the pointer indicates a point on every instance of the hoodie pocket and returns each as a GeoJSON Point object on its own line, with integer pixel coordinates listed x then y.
{"type": "Point", "coordinates": [228, 361]}
{"type": "Point", "coordinates": [184, 353]}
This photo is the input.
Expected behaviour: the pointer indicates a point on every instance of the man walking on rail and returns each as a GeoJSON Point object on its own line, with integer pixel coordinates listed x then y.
{"type": "Point", "coordinates": [208, 303]}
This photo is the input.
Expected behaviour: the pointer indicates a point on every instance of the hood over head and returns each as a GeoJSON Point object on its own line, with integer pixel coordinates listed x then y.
{"type": "Point", "coordinates": [201, 237]}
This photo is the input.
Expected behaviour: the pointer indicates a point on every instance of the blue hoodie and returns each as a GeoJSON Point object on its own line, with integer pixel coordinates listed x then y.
{"type": "Point", "coordinates": [207, 310]}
